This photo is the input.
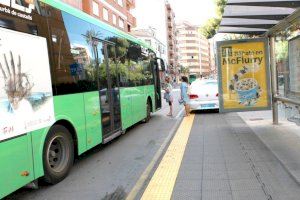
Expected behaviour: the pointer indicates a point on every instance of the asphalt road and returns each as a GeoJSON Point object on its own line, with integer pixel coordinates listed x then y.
{"type": "Point", "coordinates": [114, 168]}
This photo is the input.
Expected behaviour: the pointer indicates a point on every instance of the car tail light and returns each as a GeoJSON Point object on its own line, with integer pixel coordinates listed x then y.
{"type": "Point", "coordinates": [193, 96]}
{"type": "Point", "coordinates": [217, 94]}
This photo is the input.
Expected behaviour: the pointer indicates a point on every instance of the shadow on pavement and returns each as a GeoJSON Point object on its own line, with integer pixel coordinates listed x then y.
{"type": "Point", "coordinates": [214, 111]}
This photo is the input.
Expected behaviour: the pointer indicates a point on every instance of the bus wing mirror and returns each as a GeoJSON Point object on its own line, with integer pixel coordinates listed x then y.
{"type": "Point", "coordinates": [161, 64]}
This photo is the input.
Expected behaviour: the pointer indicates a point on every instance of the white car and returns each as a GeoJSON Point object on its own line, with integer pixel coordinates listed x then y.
{"type": "Point", "coordinates": [204, 95]}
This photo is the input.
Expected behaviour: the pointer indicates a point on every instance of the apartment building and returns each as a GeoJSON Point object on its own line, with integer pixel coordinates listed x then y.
{"type": "Point", "coordinates": [114, 12]}
{"type": "Point", "coordinates": [171, 39]}
{"type": "Point", "coordinates": [193, 49]}
{"type": "Point", "coordinates": [212, 51]}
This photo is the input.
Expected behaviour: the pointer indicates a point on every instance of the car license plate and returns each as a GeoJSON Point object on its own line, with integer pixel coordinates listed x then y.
{"type": "Point", "coordinates": [211, 105]}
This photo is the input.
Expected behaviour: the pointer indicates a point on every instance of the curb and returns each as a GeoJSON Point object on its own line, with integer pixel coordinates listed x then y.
{"type": "Point", "coordinates": [144, 178]}
{"type": "Point", "coordinates": [285, 167]}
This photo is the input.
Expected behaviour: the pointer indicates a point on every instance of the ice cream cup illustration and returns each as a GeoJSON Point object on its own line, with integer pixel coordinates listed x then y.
{"type": "Point", "coordinates": [247, 89]}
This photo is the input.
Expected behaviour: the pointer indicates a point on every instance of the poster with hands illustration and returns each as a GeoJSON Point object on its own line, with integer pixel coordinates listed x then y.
{"type": "Point", "coordinates": [26, 98]}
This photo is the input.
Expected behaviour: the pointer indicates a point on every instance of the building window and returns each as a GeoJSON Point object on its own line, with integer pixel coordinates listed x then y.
{"type": "Point", "coordinates": [128, 28]}
{"type": "Point", "coordinates": [120, 2]}
{"type": "Point", "coordinates": [121, 23]}
{"type": "Point", "coordinates": [105, 14]}
{"type": "Point", "coordinates": [95, 8]}
{"type": "Point", "coordinates": [114, 19]}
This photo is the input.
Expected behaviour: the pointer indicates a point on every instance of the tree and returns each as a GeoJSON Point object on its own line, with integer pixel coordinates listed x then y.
{"type": "Point", "coordinates": [211, 26]}
{"type": "Point", "coordinates": [281, 49]}
{"type": "Point", "coordinates": [184, 70]}
{"type": "Point", "coordinates": [238, 36]}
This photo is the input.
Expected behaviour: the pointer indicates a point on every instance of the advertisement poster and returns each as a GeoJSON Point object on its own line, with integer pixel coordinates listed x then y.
{"type": "Point", "coordinates": [294, 65]}
{"type": "Point", "coordinates": [26, 99]}
{"type": "Point", "coordinates": [243, 75]}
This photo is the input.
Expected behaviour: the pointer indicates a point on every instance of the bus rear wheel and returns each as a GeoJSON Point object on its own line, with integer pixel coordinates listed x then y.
{"type": "Point", "coordinates": [148, 112]}
{"type": "Point", "coordinates": [58, 154]}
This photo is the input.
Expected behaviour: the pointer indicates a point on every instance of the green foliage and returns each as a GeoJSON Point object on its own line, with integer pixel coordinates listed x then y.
{"type": "Point", "coordinates": [184, 70]}
{"type": "Point", "coordinates": [220, 7]}
{"type": "Point", "coordinates": [237, 36]}
{"type": "Point", "coordinates": [90, 34]}
{"type": "Point", "coordinates": [210, 28]}
{"type": "Point", "coordinates": [281, 49]}
{"type": "Point", "coordinates": [120, 49]}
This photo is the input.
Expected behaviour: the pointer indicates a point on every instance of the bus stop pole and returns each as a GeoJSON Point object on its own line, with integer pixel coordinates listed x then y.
{"type": "Point", "coordinates": [273, 81]}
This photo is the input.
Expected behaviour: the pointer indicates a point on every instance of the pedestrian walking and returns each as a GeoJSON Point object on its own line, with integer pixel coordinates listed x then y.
{"type": "Point", "coordinates": [184, 90]}
{"type": "Point", "coordinates": [168, 94]}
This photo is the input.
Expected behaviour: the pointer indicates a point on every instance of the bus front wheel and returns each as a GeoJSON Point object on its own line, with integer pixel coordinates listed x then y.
{"type": "Point", "coordinates": [58, 154]}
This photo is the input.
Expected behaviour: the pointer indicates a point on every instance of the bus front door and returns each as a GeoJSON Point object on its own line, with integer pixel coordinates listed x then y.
{"type": "Point", "coordinates": [108, 90]}
{"type": "Point", "coordinates": [157, 85]}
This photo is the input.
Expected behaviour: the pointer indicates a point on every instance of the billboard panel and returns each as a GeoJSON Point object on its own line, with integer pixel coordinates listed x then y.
{"type": "Point", "coordinates": [294, 65]}
{"type": "Point", "coordinates": [243, 67]}
{"type": "Point", "coordinates": [26, 98]}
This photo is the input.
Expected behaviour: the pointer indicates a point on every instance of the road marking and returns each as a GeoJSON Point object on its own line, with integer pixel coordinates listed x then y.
{"type": "Point", "coordinates": [163, 181]}
{"type": "Point", "coordinates": [145, 176]}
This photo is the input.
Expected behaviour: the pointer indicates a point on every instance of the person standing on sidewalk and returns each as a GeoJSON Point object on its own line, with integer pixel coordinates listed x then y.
{"type": "Point", "coordinates": [168, 94]}
{"type": "Point", "coordinates": [184, 89]}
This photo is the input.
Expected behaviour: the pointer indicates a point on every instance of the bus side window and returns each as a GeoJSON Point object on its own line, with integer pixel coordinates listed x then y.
{"type": "Point", "coordinates": [73, 69]}
{"type": "Point", "coordinates": [135, 65]}
{"type": "Point", "coordinates": [147, 69]}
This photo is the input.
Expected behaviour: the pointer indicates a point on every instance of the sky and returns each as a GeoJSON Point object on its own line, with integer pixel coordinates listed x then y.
{"type": "Point", "coordinates": [196, 12]}
{"type": "Point", "coordinates": [151, 13]}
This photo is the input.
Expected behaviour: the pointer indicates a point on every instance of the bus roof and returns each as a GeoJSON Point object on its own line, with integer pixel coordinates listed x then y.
{"type": "Point", "coordinates": [82, 15]}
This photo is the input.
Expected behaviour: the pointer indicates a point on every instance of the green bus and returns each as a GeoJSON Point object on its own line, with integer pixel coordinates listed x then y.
{"type": "Point", "coordinates": [68, 82]}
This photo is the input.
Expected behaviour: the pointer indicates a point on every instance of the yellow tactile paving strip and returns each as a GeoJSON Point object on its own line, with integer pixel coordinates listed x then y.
{"type": "Point", "coordinates": [163, 181]}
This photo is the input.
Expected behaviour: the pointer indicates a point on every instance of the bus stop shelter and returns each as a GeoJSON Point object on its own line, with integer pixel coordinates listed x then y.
{"type": "Point", "coordinates": [278, 20]}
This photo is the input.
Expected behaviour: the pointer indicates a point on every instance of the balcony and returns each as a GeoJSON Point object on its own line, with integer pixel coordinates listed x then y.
{"type": "Point", "coordinates": [131, 19]}
{"type": "Point", "coordinates": [130, 3]}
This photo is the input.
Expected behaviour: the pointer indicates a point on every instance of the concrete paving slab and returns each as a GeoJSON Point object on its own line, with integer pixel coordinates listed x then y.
{"type": "Point", "coordinates": [248, 195]}
{"type": "Point", "coordinates": [217, 195]}
{"type": "Point", "coordinates": [213, 184]}
{"type": "Point", "coordinates": [215, 174]}
{"type": "Point", "coordinates": [283, 140]}
{"type": "Point", "coordinates": [187, 194]}
{"type": "Point", "coordinates": [235, 163]}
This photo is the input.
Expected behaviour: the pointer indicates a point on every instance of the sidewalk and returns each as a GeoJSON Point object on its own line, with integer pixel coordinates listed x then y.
{"type": "Point", "coordinates": [283, 139]}
{"type": "Point", "coordinates": [225, 159]}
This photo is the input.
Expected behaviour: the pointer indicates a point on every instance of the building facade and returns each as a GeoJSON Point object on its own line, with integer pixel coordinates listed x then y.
{"type": "Point", "coordinates": [212, 52]}
{"type": "Point", "coordinates": [114, 12]}
{"type": "Point", "coordinates": [171, 40]}
{"type": "Point", "coordinates": [193, 49]}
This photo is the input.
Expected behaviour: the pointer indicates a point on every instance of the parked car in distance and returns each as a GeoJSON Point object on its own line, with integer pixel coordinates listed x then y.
{"type": "Point", "coordinates": [204, 95]}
